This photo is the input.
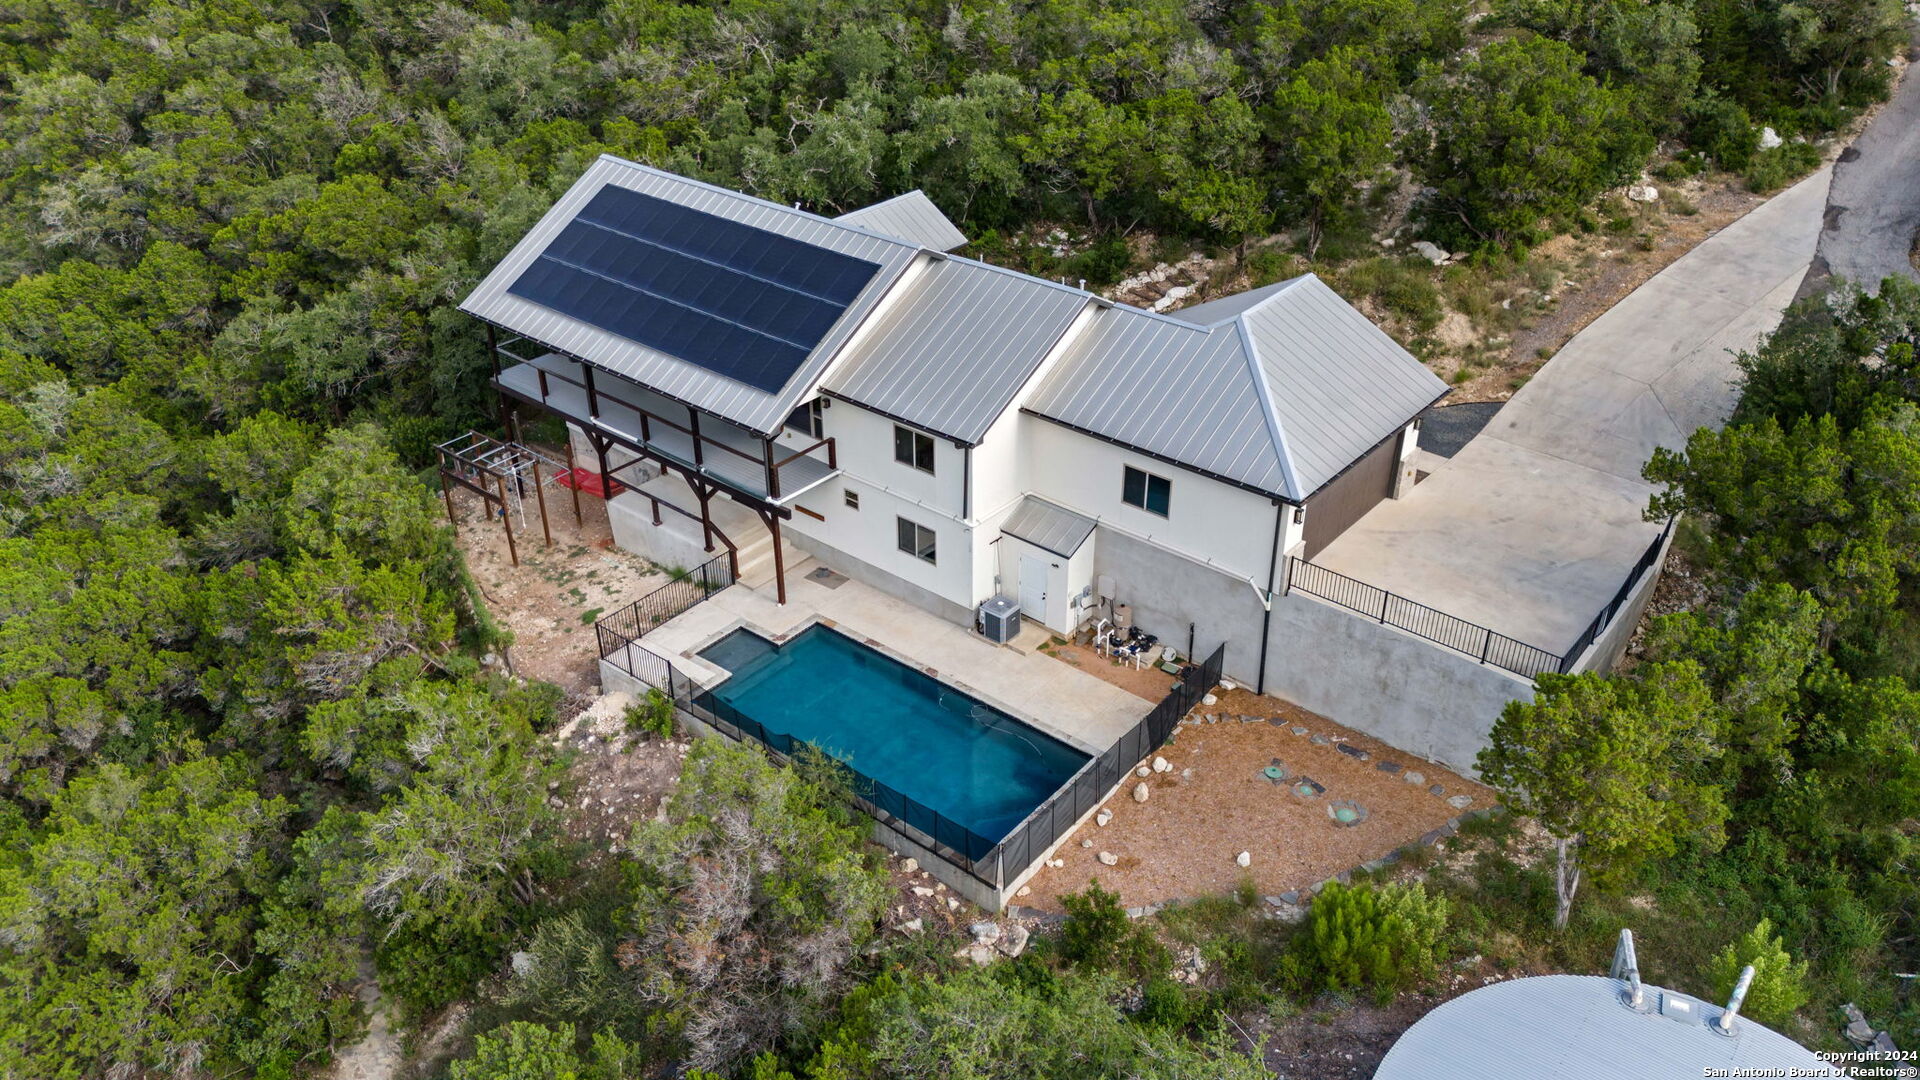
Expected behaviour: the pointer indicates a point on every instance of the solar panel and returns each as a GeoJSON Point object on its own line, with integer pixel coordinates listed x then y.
{"type": "Point", "coordinates": [738, 301]}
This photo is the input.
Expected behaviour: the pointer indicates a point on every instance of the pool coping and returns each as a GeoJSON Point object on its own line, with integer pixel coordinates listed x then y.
{"type": "Point", "coordinates": [707, 641]}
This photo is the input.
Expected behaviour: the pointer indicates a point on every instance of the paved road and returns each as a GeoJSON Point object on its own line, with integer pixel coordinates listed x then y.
{"type": "Point", "coordinates": [1533, 525]}
{"type": "Point", "coordinates": [1873, 209]}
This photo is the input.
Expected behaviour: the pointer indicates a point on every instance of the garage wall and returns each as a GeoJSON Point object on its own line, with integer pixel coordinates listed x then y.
{"type": "Point", "coordinates": [1346, 499]}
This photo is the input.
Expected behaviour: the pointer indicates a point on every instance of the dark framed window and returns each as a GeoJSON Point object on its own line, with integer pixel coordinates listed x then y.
{"type": "Point", "coordinates": [852, 497]}
{"type": "Point", "coordinates": [806, 419]}
{"type": "Point", "coordinates": [1151, 493]}
{"type": "Point", "coordinates": [913, 448]}
{"type": "Point", "coordinates": [916, 540]}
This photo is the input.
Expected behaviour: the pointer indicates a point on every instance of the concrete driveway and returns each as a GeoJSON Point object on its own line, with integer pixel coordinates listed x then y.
{"type": "Point", "coordinates": [1533, 526]}
{"type": "Point", "coordinates": [1873, 209]}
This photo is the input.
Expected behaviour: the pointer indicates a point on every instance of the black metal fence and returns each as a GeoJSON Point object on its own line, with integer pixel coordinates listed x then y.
{"type": "Point", "coordinates": [619, 630]}
{"type": "Point", "coordinates": [1418, 619]}
{"type": "Point", "coordinates": [992, 862]}
{"type": "Point", "coordinates": [1603, 620]}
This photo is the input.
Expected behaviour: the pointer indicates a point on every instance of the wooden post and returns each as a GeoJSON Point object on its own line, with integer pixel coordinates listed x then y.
{"type": "Point", "coordinates": [540, 497]}
{"type": "Point", "coordinates": [593, 396]}
{"type": "Point", "coordinates": [703, 493]}
{"type": "Point", "coordinates": [506, 518]}
{"type": "Point", "coordinates": [773, 471]}
{"type": "Point", "coordinates": [573, 480]}
{"type": "Point", "coordinates": [693, 425]}
{"type": "Point", "coordinates": [779, 561]}
{"type": "Point", "coordinates": [446, 492]}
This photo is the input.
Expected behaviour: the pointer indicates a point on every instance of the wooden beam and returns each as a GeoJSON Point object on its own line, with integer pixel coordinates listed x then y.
{"type": "Point", "coordinates": [573, 478]}
{"type": "Point", "coordinates": [506, 518]}
{"type": "Point", "coordinates": [540, 497]}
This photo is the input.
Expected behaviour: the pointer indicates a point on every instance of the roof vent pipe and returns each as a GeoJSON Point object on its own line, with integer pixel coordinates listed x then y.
{"type": "Point", "coordinates": [1724, 1022]}
{"type": "Point", "coordinates": [1083, 284]}
{"type": "Point", "coordinates": [1627, 966]}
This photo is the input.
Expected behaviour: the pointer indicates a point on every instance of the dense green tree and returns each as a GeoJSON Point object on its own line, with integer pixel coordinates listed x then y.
{"type": "Point", "coordinates": [1520, 134]}
{"type": "Point", "coordinates": [1617, 770]}
{"type": "Point", "coordinates": [1335, 137]}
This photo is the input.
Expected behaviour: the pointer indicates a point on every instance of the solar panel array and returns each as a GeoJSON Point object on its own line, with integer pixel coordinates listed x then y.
{"type": "Point", "coordinates": [738, 301]}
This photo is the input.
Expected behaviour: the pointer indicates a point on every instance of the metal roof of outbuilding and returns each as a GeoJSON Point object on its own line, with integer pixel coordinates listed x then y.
{"type": "Point", "coordinates": [752, 408]}
{"type": "Point", "coordinates": [1278, 389]}
{"type": "Point", "coordinates": [1048, 526]}
{"type": "Point", "coordinates": [957, 347]}
{"type": "Point", "coordinates": [912, 217]}
{"type": "Point", "coordinates": [1578, 1027]}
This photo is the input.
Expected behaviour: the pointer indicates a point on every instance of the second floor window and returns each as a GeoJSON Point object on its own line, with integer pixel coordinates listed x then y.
{"type": "Point", "coordinates": [1151, 493]}
{"type": "Point", "coordinates": [913, 448]}
{"type": "Point", "coordinates": [806, 419]}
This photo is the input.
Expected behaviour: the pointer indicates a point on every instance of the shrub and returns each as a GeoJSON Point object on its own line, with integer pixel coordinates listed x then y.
{"type": "Point", "coordinates": [652, 715]}
{"type": "Point", "coordinates": [1779, 985]}
{"type": "Point", "coordinates": [1771, 170]}
{"type": "Point", "coordinates": [1404, 286]}
{"type": "Point", "coordinates": [1360, 936]}
{"type": "Point", "coordinates": [1095, 928]}
{"type": "Point", "coordinates": [1723, 131]}
{"type": "Point", "coordinates": [1103, 263]}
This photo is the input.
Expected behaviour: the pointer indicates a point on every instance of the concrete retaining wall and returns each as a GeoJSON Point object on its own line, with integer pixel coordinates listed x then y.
{"type": "Point", "coordinates": [868, 574]}
{"type": "Point", "coordinates": [673, 542]}
{"type": "Point", "coordinates": [1607, 649]}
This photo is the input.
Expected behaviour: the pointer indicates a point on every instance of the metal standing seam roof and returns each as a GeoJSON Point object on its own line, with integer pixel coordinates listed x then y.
{"type": "Point", "coordinates": [1576, 1027]}
{"type": "Point", "coordinates": [912, 217]}
{"type": "Point", "coordinates": [954, 351]}
{"type": "Point", "coordinates": [1278, 389]}
{"type": "Point", "coordinates": [1048, 526]}
{"type": "Point", "coordinates": [752, 408]}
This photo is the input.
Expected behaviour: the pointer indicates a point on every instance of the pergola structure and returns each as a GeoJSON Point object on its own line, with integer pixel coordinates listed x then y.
{"type": "Point", "coordinates": [502, 474]}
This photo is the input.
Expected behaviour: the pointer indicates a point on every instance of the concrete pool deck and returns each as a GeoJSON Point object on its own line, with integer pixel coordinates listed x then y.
{"type": "Point", "coordinates": [1086, 712]}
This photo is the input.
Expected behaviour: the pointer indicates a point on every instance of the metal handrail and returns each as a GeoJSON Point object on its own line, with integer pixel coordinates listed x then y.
{"type": "Point", "coordinates": [1432, 624]}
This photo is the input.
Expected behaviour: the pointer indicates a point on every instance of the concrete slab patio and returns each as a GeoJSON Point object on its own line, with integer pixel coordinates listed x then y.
{"type": "Point", "coordinates": [1532, 527]}
{"type": "Point", "coordinates": [1071, 705]}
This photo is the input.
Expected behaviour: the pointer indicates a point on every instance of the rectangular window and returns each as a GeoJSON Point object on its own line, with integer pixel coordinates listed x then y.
{"type": "Point", "coordinates": [913, 448]}
{"type": "Point", "coordinates": [916, 540]}
{"type": "Point", "coordinates": [806, 419]}
{"type": "Point", "coordinates": [852, 497]}
{"type": "Point", "coordinates": [1151, 493]}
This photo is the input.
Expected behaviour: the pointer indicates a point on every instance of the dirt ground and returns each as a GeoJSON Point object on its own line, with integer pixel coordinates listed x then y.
{"type": "Point", "coordinates": [552, 599]}
{"type": "Point", "coordinates": [1151, 684]}
{"type": "Point", "coordinates": [1217, 802]}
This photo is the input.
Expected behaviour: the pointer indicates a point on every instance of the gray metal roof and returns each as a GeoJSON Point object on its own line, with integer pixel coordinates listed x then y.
{"type": "Point", "coordinates": [1575, 1027]}
{"type": "Point", "coordinates": [956, 347]}
{"type": "Point", "coordinates": [1049, 527]}
{"type": "Point", "coordinates": [752, 408]}
{"type": "Point", "coordinates": [912, 217]}
{"type": "Point", "coordinates": [1278, 390]}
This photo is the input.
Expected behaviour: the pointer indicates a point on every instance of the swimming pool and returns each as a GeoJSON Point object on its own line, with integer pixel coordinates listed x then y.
{"type": "Point", "coordinates": [970, 763]}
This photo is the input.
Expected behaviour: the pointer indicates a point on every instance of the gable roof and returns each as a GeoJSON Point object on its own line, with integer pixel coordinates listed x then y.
{"type": "Point", "coordinates": [912, 217]}
{"type": "Point", "coordinates": [1277, 389]}
{"type": "Point", "coordinates": [675, 376]}
{"type": "Point", "coordinates": [955, 350]}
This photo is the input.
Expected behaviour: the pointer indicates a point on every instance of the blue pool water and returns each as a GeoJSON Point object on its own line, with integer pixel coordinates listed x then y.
{"type": "Point", "coordinates": [972, 764]}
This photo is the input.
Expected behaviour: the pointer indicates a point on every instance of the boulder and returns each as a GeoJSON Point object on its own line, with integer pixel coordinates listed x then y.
{"type": "Point", "coordinates": [981, 955]}
{"type": "Point", "coordinates": [1431, 252]}
{"type": "Point", "coordinates": [1209, 700]}
{"type": "Point", "coordinates": [1412, 777]}
{"type": "Point", "coordinates": [1108, 858]}
{"type": "Point", "coordinates": [984, 932]}
{"type": "Point", "coordinates": [913, 926]}
{"type": "Point", "coordinates": [1024, 890]}
{"type": "Point", "coordinates": [1015, 940]}
{"type": "Point", "coordinates": [1161, 764]}
{"type": "Point", "coordinates": [1087, 842]}
{"type": "Point", "coordinates": [1243, 860]}
{"type": "Point", "coordinates": [1140, 792]}
{"type": "Point", "coordinates": [1770, 139]}
{"type": "Point", "coordinates": [1103, 817]}
{"type": "Point", "coordinates": [910, 865]}
{"type": "Point", "coordinates": [953, 904]}
{"type": "Point", "coordinates": [1644, 193]}
{"type": "Point", "coordinates": [922, 891]}
{"type": "Point", "coordinates": [522, 963]}
{"type": "Point", "coordinates": [1143, 771]}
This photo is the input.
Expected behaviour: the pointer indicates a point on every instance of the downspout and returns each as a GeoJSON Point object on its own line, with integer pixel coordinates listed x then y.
{"type": "Point", "coordinates": [966, 483]}
{"type": "Point", "coordinates": [1273, 569]}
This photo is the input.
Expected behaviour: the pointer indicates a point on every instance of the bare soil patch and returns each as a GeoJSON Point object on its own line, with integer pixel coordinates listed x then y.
{"type": "Point", "coordinates": [552, 599]}
{"type": "Point", "coordinates": [1217, 802]}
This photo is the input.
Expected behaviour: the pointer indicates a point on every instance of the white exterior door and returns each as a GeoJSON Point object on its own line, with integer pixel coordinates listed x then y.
{"type": "Point", "coordinates": [1033, 588]}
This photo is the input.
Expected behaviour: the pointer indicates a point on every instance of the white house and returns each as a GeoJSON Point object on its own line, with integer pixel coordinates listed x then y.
{"type": "Point", "coordinates": [946, 430]}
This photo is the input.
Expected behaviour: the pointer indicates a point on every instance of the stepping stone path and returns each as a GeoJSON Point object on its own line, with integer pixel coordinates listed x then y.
{"type": "Point", "coordinates": [1309, 788]}
{"type": "Point", "coordinates": [1299, 730]}
{"type": "Point", "coordinates": [1460, 802]}
{"type": "Point", "coordinates": [1319, 740]}
{"type": "Point", "coordinates": [1436, 790]}
{"type": "Point", "coordinates": [1276, 721]}
{"type": "Point", "coordinates": [1390, 767]}
{"type": "Point", "coordinates": [1353, 751]}
{"type": "Point", "coordinates": [1414, 778]}
{"type": "Point", "coordinates": [1275, 772]}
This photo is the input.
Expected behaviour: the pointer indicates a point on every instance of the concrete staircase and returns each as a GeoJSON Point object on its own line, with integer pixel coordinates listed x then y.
{"type": "Point", "coordinates": [756, 559]}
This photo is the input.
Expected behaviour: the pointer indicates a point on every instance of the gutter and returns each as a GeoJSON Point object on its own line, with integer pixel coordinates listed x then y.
{"type": "Point", "coordinates": [1266, 621]}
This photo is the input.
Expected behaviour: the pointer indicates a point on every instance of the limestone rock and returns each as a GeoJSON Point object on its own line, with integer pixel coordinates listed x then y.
{"type": "Point", "coordinates": [984, 932]}
{"type": "Point", "coordinates": [1103, 817]}
{"type": "Point", "coordinates": [1024, 890]}
{"type": "Point", "coordinates": [910, 865]}
{"type": "Point", "coordinates": [1015, 940]}
{"type": "Point", "coordinates": [913, 926]}
{"type": "Point", "coordinates": [1108, 858]}
{"type": "Point", "coordinates": [1209, 700]}
{"type": "Point", "coordinates": [1087, 842]}
{"type": "Point", "coordinates": [953, 904]}
{"type": "Point", "coordinates": [1769, 139]}
{"type": "Point", "coordinates": [1431, 252]}
{"type": "Point", "coordinates": [1412, 777]}
{"type": "Point", "coordinates": [1643, 193]}
{"type": "Point", "coordinates": [1243, 860]}
{"type": "Point", "coordinates": [1161, 764]}
{"type": "Point", "coordinates": [1140, 792]}
{"type": "Point", "coordinates": [981, 955]}
{"type": "Point", "coordinates": [922, 891]}
{"type": "Point", "coordinates": [522, 963]}
{"type": "Point", "coordinates": [1460, 802]}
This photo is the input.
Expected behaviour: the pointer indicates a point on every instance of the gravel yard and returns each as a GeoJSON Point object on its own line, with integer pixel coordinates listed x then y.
{"type": "Point", "coordinates": [1236, 785]}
